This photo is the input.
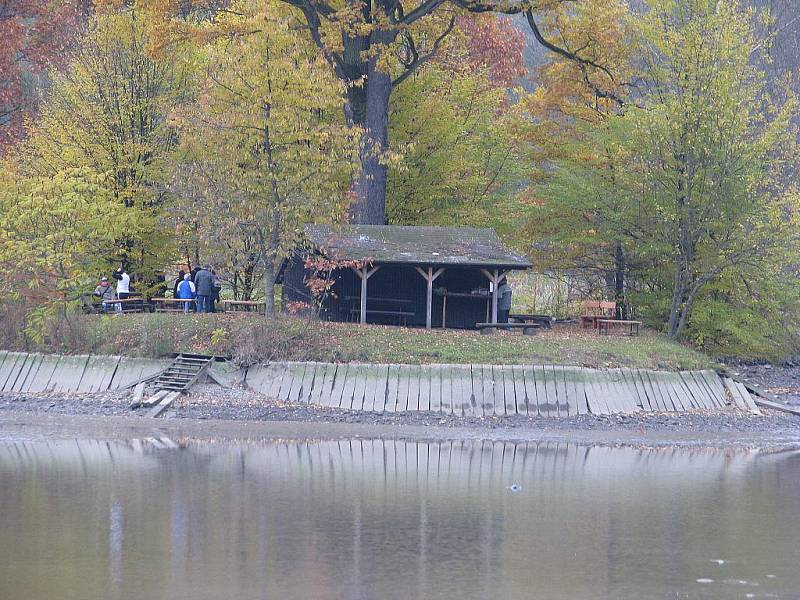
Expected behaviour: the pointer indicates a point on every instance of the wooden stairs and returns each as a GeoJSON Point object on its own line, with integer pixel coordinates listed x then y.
{"type": "Point", "coordinates": [182, 373]}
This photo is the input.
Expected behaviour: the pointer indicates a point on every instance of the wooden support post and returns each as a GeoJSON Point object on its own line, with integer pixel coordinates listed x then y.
{"type": "Point", "coordinates": [364, 273]}
{"type": "Point", "coordinates": [430, 277]}
{"type": "Point", "coordinates": [494, 277]}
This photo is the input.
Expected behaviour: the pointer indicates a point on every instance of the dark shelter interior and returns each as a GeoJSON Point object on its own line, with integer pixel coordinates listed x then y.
{"type": "Point", "coordinates": [414, 276]}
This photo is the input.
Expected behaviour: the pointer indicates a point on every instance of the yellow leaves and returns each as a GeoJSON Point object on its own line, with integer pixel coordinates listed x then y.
{"type": "Point", "coordinates": [265, 143]}
{"type": "Point", "coordinates": [57, 224]}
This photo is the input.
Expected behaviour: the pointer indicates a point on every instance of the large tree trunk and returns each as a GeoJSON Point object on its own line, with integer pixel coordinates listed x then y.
{"type": "Point", "coordinates": [619, 280]}
{"type": "Point", "coordinates": [679, 289]}
{"type": "Point", "coordinates": [269, 289]}
{"type": "Point", "coordinates": [369, 205]}
{"type": "Point", "coordinates": [686, 310]}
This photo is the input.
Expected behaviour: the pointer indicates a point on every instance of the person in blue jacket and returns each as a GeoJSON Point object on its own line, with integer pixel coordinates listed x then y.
{"type": "Point", "coordinates": [186, 291]}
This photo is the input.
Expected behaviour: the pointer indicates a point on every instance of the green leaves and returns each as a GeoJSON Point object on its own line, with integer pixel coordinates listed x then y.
{"type": "Point", "coordinates": [53, 228]}
{"type": "Point", "coordinates": [264, 146]}
{"type": "Point", "coordinates": [690, 181]}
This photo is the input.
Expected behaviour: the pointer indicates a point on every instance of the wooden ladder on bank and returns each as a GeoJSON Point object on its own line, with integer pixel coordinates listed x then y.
{"type": "Point", "coordinates": [176, 379]}
{"type": "Point", "coordinates": [182, 373]}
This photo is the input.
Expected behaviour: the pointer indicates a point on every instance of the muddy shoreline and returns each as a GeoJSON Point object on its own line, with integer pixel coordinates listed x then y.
{"type": "Point", "coordinates": [212, 411]}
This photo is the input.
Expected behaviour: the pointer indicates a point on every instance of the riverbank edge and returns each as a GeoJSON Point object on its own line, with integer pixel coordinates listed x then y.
{"type": "Point", "coordinates": [468, 390]}
{"type": "Point", "coordinates": [22, 426]}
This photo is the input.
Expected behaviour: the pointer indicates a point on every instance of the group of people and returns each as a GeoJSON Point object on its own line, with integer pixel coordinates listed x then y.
{"type": "Point", "coordinates": [199, 285]}
{"type": "Point", "coordinates": [199, 288]}
{"type": "Point", "coordinates": [109, 294]}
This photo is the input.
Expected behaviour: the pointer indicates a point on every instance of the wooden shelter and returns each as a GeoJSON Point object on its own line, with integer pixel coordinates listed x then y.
{"type": "Point", "coordinates": [431, 276]}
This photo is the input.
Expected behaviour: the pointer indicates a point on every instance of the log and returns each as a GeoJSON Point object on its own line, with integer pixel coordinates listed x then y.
{"type": "Point", "coordinates": [164, 404]}
{"type": "Point", "coordinates": [138, 394]}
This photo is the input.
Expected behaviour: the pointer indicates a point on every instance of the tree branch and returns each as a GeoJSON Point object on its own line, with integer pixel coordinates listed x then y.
{"type": "Point", "coordinates": [311, 13]}
{"type": "Point", "coordinates": [421, 60]}
{"type": "Point", "coordinates": [423, 9]}
{"type": "Point", "coordinates": [561, 51]}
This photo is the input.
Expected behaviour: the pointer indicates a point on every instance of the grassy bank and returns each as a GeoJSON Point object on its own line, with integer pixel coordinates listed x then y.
{"type": "Point", "coordinates": [249, 339]}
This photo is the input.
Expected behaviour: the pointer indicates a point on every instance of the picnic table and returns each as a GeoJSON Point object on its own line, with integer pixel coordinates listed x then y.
{"type": "Point", "coordinates": [244, 306]}
{"type": "Point", "coordinates": [137, 304]}
{"type": "Point", "coordinates": [169, 304]}
{"type": "Point", "coordinates": [594, 310]}
{"type": "Point", "coordinates": [388, 307]}
{"type": "Point", "coordinates": [445, 294]}
{"type": "Point", "coordinates": [604, 326]}
{"type": "Point", "coordinates": [545, 321]}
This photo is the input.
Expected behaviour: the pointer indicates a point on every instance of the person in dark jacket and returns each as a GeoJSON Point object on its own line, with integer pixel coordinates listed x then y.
{"type": "Point", "coordinates": [503, 301]}
{"type": "Point", "coordinates": [177, 282]}
{"type": "Point", "coordinates": [192, 275]}
{"type": "Point", "coordinates": [204, 282]}
{"type": "Point", "coordinates": [217, 290]}
{"type": "Point", "coordinates": [186, 291]}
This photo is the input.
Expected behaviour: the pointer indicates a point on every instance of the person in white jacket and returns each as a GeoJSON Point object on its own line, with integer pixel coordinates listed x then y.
{"type": "Point", "coordinates": [123, 286]}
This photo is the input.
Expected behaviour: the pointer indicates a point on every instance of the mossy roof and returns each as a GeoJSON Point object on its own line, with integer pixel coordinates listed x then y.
{"type": "Point", "coordinates": [468, 246]}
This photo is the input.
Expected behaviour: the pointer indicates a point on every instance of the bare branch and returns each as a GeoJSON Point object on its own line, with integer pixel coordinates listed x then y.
{"type": "Point", "coordinates": [561, 51]}
{"type": "Point", "coordinates": [423, 9]}
{"type": "Point", "coordinates": [421, 60]}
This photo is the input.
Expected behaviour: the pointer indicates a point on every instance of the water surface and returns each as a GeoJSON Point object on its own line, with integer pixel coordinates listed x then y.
{"type": "Point", "coordinates": [363, 519]}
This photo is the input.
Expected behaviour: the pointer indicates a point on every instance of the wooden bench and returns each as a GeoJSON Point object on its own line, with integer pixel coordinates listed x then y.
{"type": "Point", "coordinates": [402, 315]}
{"type": "Point", "coordinates": [90, 305]}
{"type": "Point", "coordinates": [170, 304]}
{"type": "Point", "coordinates": [527, 328]}
{"type": "Point", "coordinates": [385, 306]}
{"type": "Point", "coordinates": [244, 306]}
{"type": "Point", "coordinates": [543, 320]}
{"type": "Point", "coordinates": [594, 310]}
{"type": "Point", "coordinates": [130, 304]}
{"type": "Point", "coordinates": [604, 326]}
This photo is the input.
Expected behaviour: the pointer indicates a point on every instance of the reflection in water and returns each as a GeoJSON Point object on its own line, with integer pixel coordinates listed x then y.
{"type": "Point", "coordinates": [394, 519]}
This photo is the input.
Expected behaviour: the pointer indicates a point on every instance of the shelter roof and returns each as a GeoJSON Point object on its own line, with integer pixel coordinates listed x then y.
{"type": "Point", "coordinates": [467, 246]}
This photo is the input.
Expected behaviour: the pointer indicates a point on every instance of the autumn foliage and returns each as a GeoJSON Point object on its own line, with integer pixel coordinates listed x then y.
{"type": "Point", "coordinates": [34, 37]}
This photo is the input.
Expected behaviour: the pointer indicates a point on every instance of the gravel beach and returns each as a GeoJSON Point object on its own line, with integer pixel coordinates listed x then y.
{"type": "Point", "coordinates": [782, 381]}
{"type": "Point", "coordinates": [213, 403]}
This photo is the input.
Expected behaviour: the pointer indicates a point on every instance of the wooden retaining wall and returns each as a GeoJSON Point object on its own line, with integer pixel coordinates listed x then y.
{"type": "Point", "coordinates": [22, 372]}
{"type": "Point", "coordinates": [467, 390]}
{"type": "Point", "coordinates": [494, 390]}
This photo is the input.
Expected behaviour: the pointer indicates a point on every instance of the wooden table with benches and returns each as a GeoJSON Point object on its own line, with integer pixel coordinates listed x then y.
{"type": "Point", "coordinates": [244, 306]}
{"type": "Point", "coordinates": [137, 304]}
{"type": "Point", "coordinates": [594, 310]}
{"type": "Point", "coordinates": [604, 326]}
{"type": "Point", "coordinates": [169, 304]}
{"type": "Point", "coordinates": [388, 307]}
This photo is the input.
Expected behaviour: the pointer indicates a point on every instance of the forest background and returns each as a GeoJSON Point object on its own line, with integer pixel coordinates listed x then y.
{"type": "Point", "coordinates": [641, 151]}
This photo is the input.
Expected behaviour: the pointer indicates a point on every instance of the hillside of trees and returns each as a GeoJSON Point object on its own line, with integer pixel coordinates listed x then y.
{"type": "Point", "coordinates": [644, 152]}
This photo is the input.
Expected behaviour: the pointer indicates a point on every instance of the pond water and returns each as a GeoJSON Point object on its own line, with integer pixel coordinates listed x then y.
{"type": "Point", "coordinates": [363, 519]}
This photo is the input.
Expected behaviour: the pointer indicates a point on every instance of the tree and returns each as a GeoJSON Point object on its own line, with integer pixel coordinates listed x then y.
{"type": "Point", "coordinates": [713, 157]}
{"type": "Point", "coordinates": [449, 124]}
{"type": "Point", "coordinates": [50, 231]}
{"type": "Point", "coordinates": [107, 112]}
{"type": "Point", "coordinates": [700, 153]}
{"type": "Point", "coordinates": [577, 215]}
{"type": "Point", "coordinates": [372, 48]}
{"type": "Point", "coordinates": [35, 35]}
{"type": "Point", "coordinates": [264, 142]}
